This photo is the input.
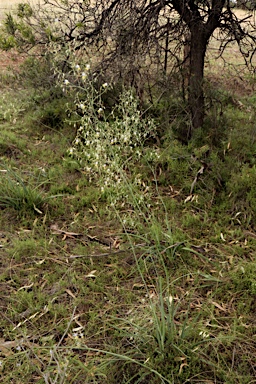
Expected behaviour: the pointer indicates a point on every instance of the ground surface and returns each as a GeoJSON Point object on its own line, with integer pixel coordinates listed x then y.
{"type": "Point", "coordinates": [95, 292]}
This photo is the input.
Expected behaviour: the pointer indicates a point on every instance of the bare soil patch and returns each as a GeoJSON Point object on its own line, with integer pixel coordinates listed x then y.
{"type": "Point", "coordinates": [10, 60]}
{"type": "Point", "coordinates": [7, 5]}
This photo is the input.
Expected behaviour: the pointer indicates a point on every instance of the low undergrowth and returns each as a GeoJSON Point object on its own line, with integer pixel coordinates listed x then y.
{"type": "Point", "coordinates": [126, 256]}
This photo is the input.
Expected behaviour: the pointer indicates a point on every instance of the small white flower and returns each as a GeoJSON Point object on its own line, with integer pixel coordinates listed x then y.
{"type": "Point", "coordinates": [84, 76]}
{"type": "Point", "coordinates": [205, 335]}
{"type": "Point", "coordinates": [77, 67]}
{"type": "Point", "coordinates": [100, 110]}
{"type": "Point", "coordinates": [105, 85]}
{"type": "Point", "coordinates": [56, 20]}
{"type": "Point", "coordinates": [66, 82]}
{"type": "Point", "coordinates": [82, 106]}
{"type": "Point", "coordinates": [87, 67]}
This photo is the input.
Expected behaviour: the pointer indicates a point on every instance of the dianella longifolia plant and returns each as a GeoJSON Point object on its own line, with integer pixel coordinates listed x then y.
{"type": "Point", "coordinates": [109, 139]}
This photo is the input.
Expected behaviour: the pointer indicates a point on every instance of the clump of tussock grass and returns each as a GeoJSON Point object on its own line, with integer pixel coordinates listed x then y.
{"type": "Point", "coordinates": [17, 194]}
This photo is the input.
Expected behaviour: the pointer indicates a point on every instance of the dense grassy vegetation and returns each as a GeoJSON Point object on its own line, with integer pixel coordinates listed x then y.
{"type": "Point", "coordinates": [127, 254]}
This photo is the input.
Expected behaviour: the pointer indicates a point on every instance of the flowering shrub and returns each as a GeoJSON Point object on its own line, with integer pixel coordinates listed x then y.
{"type": "Point", "coordinates": [105, 144]}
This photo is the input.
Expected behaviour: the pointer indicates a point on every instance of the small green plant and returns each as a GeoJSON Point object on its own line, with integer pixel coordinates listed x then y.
{"type": "Point", "coordinates": [244, 278]}
{"type": "Point", "coordinates": [17, 194]}
{"type": "Point", "coordinates": [15, 31]}
{"type": "Point", "coordinates": [9, 111]}
{"type": "Point", "coordinates": [241, 189]}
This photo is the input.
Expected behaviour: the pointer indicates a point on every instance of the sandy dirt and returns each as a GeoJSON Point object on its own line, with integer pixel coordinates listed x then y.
{"type": "Point", "coordinates": [7, 5]}
{"type": "Point", "coordinates": [10, 60]}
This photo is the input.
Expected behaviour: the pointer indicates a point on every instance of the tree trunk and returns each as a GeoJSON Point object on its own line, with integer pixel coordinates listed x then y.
{"type": "Point", "coordinates": [201, 29]}
{"type": "Point", "coordinates": [198, 47]}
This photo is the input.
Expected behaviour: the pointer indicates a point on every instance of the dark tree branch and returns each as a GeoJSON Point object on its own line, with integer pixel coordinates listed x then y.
{"type": "Point", "coordinates": [135, 33]}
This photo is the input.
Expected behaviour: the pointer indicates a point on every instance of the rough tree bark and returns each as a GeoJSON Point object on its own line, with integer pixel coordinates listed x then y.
{"type": "Point", "coordinates": [195, 86]}
{"type": "Point", "coordinates": [200, 33]}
